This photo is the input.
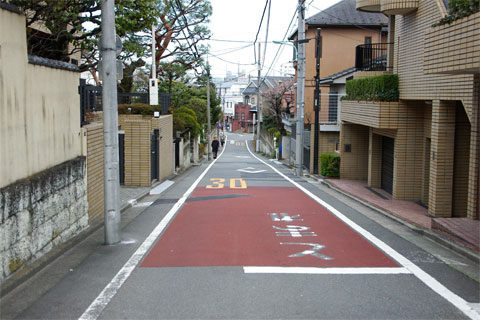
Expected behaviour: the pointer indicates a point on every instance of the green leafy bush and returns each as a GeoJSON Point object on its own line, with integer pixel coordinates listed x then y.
{"type": "Point", "coordinates": [138, 108]}
{"type": "Point", "coordinates": [378, 88]}
{"type": "Point", "coordinates": [330, 165]}
{"type": "Point", "coordinates": [459, 9]}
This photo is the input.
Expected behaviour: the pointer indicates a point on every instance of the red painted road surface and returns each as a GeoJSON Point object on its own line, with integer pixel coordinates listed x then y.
{"type": "Point", "coordinates": [274, 226]}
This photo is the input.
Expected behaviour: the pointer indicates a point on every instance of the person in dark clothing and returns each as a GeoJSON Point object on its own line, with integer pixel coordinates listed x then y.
{"type": "Point", "coordinates": [215, 145]}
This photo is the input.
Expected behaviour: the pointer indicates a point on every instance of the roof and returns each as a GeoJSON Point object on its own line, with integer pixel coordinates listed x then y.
{"type": "Point", "coordinates": [333, 77]}
{"type": "Point", "coordinates": [344, 13]}
{"type": "Point", "coordinates": [52, 63]}
{"type": "Point", "coordinates": [267, 83]}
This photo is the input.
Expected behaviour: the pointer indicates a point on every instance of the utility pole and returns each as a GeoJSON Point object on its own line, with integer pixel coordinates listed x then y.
{"type": "Point", "coordinates": [209, 130]}
{"type": "Point", "coordinates": [259, 109]}
{"type": "Point", "coordinates": [318, 55]}
{"type": "Point", "coordinates": [110, 124]}
{"type": "Point", "coordinates": [300, 87]}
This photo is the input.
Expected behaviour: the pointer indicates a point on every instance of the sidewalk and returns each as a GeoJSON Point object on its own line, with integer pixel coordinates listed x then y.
{"type": "Point", "coordinates": [463, 232]}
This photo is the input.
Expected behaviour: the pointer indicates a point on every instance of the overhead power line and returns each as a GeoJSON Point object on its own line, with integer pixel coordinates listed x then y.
{"type": "Point", "coordinates": [259, 27]}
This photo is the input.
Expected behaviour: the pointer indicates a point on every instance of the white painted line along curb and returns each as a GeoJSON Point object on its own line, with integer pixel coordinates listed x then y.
{"type": "Point", "coordinates": [306, 270]}
{"type": "Point", "coordinates": [431, 282]}
{"type": "Point", "coordinates": [98, 305]}
{"type": "Point", "coordinates": [162, 187]}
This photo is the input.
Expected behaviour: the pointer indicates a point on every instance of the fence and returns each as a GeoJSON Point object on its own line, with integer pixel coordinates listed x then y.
{"type": "Point", "coordinates": [91, 99]}
{"type": "Point", "coordinates": [371, 57]}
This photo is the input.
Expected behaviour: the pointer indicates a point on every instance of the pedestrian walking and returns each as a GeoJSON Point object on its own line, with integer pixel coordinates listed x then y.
{"type": "Point", "coordinates": [215, 145]}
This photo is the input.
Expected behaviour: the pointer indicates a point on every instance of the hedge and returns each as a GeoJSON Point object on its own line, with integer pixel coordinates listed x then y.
{"type": "Point", "coordinates": [330, 165]}
{"type": "Point", "coordinates": [459, 9]}
{"type": "Point", "coordinates": [377, 88]}
{"type": "Point", "coordinates": [138, 108]}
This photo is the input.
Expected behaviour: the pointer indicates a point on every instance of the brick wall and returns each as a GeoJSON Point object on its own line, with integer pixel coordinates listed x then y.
{"type": "Point", "coordinates": [354, 164]}
{"type": "Point", "coordinates": [95, 175]}
{"type": "Point", "coordinates": [137, 151]}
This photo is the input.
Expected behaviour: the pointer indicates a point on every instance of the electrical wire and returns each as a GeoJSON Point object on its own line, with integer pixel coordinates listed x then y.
{"type": "Point", "coordinates": [230, 50]}
{"type": "Point", "coordinates": [236, 63]}
{"type": "Point", "coordinates": [266, 33]}
{"type": "Point", "coordinates": [258, 31]}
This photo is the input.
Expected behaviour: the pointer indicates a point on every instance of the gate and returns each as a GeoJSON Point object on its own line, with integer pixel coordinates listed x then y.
{"type": "Point", "coordinates": [154, 156]}
{"type": "Point", "coordinates": [177, 152]}
{"type": "Point", "coordinates": [387, 163]}
{"type": "Point", "coordinates": [121, 156]}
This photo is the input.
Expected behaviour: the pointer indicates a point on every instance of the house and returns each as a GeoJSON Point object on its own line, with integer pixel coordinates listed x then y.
{"type": "Point", "coordinates": [343, 28]}
{"type": "Point", "coordinates": [424, 146]}
{"type": "Point", "coordinates": [243, 118]}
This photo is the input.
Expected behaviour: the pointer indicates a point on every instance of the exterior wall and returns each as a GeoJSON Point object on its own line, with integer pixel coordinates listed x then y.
{"type": "Point", "coordinates": [354, 164]}
{"type": "Point", "coordinates": [165, 126]}
{"type": "Point", "coordinates": [237, 123]}
{"type": "Point", "coordinates": [326, 144]}
{"type": "Point", "coordinates": [41, 212]}
{"type": "Point", "coordinates": [336, 42]}
{"type": "Point", "coordinates": [376, 114]}
{"type": "Point", "coordinates": [374, 160]}
{"type": "Point", "coordinates": [39, 108]}
{"type": "Point", "coordinates": [95, 173]}
{"type": "Point", "coordinates": [138, 129]}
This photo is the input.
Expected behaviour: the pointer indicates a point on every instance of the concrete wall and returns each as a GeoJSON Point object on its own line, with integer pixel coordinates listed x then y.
{"type": "Point", "coordinates": [39, 108]}
{"type": "Point", "coordinates": [41, 212]}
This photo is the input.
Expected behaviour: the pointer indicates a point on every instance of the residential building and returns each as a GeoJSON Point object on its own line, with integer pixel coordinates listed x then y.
{"type": "Point", "coordinates": [243, 118]}
{"type": "Point", "coordinates": [250, 93]}
{"type": "Point", "coordinates": [425, 146]}
{"type": "Point", "coordinates": [343, 28]}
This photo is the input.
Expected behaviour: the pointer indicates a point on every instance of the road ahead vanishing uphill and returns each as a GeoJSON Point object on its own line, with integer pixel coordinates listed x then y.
{"type": "Point", "coordinates": [241, 237]}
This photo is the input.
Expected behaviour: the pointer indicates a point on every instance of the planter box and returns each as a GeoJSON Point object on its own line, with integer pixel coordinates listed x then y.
{"type": "Point", "coordinates": [375, 114]}
{"type": "Point", "coordinates": [368, 5]}
{"type": "Point", "coordinates": [398, 6]}
{"type": "Point", "coordinates": [454, 48]}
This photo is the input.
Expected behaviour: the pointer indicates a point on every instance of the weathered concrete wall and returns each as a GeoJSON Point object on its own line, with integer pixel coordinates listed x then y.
{"type": "Point", "coordinates": [39, 106]}
{"type": "Point", "coordinates": [41, 212]}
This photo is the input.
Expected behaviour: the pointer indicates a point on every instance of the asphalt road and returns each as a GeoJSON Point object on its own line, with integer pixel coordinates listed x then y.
{"type": "Point", "coordinates": [243, 238]}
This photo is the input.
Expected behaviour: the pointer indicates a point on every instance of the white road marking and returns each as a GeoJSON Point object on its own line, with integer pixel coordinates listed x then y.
{"type": "Point", "coordinates": [232, 141]}
{"type": "Point", "coordinates": [275, 161]}
{"type": "Point", "coordinates": [251, 170]}
{"type": "Point", "coordinates": [243, 157]}
{"type": "Point", "coordinates": [98, 305]}
{"type": "Point", "coordinates": [427, 279]}
{"type": "Point", "coordinates": [162, 187]}
{"type": "Point", "coordinates": [306, 270]}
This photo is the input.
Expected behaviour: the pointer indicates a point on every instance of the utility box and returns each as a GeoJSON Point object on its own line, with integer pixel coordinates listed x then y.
{"type": "Point", "coordinates": [153, 89]}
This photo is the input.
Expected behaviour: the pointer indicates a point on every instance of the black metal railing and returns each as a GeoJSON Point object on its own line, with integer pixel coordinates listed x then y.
{"type": "Point", "coordinates": [91, 99]}
{"type": "Point", "coordinates": [372, 57]}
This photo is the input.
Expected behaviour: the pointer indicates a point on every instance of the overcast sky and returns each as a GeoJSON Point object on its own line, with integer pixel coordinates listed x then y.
{"type": "Point", "coordinates": [235, 20]}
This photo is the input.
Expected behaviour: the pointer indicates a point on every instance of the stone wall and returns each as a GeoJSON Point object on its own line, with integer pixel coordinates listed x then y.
{"type": "Point", "coordinates": [40, 212]}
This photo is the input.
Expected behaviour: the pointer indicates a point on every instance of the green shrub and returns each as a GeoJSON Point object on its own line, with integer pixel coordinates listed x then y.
{"type": "Point", "coordinates": [330, 165]}
{"type": "Point", "coordinates": [138, 108]}
{"type": "Point", "coordinates": [378, 88]}
{"type": "Point", "coordinates": [459, 9]}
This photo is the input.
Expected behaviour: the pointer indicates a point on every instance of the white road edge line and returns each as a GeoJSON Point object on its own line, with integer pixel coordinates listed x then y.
{"type": "Point", "coordinates": [306, 270]}
{"type": "Point", "coordinates": [431, 282]}
{"type": "Point", "coordinates": [103, 299]}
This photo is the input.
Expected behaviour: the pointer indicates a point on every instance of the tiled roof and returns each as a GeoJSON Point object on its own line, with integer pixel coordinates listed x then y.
{"type": "Point", "coordinates": [52, 63]}
{"type": "Point", "coordinates": [337, 75]}
{"type": "Point", "coordinates": [344, 13]}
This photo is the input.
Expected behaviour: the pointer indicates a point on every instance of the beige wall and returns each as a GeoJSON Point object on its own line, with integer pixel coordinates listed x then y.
{"type": "Point", "coordinates": [338, 53]}
{"type": "Point", "coordinates": [95, 170]}
{"type": "Point", "coordinates": [39, 108]}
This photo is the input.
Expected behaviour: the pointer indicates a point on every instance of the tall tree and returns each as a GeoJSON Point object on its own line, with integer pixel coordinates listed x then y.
{"type": "Point", "coordinates": [276, 102]}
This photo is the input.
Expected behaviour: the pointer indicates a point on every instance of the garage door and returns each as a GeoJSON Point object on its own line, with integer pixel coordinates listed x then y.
{"type": "Point", "coordinates": [387, 164]}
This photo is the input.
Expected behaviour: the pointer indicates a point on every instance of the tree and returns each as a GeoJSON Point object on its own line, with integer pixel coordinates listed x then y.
{"type": "Point", "coordinates": [275, 103]}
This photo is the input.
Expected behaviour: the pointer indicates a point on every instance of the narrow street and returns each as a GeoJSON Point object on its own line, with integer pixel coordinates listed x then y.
{"type": "Point", "coordinates": [243, 238]}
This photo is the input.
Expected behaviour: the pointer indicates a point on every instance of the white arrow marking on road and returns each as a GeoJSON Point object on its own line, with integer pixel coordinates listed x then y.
{"type": "Point", "coordinates": [251, 170]}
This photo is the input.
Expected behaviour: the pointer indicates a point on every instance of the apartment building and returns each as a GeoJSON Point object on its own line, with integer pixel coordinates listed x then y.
{"type": "Point", "coordinates": [425, 146]}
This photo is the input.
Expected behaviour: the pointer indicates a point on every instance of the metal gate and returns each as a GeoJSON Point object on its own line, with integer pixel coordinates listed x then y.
{"type": "Point", "coordinates": [388, 147]}
{"type": "Point", "coordinates": [121, 156]}
{"type": "Point", "coordinates": [177, 152]}
{"type": "Point", "coordinates": [154, 156]}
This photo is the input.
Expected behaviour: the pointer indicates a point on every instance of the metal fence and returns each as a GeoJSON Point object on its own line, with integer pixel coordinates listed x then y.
{"type": "Point", "coordinates": [91, 99]}
{"type": "Point", "coordinates": [371, 57]}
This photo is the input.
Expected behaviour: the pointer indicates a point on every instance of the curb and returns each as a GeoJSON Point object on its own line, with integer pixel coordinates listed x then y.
{"type": "Point", "coordinates": [458, 248]}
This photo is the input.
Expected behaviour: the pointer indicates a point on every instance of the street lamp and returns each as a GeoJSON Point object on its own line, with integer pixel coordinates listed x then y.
{"type": "Point", "coordinates": [289, 44]}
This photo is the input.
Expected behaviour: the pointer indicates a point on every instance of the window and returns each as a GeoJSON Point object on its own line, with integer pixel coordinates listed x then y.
{"type": "Point", "coordinates": [253, 99]}
{"type": "Point", "coordinates": [368, 40]}
{"type": "Point", "coordinates": [247, 99]}
{"type": "Point", "coordinates": [236, 115]}
{"type": "Point", "coordinates": [243, 115]}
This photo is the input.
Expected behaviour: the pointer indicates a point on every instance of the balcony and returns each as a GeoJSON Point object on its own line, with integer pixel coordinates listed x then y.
{"type": "Point", "coordinates": [372, 57]}
{"type": "Point", "coordinates": [368, 5]}
{"type": "Point", "coordinates": [391, 7]}
{"type": "Point", "coordinates": [454, 48]}
{"type": "Point", "coordinates": [375, 114]}
{"type": "Point", "coordinates": [387, 6]}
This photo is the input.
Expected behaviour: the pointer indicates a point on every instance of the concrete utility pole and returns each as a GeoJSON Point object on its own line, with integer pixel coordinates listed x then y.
{"type": "Point", "coordinates": [110, 124]}
{"type": "Point", "coordinates": [259, 109]}
{"type": "Point", "coordinates": [318, 55]}
{"type": "Point", "coordinates": [300, 87]}
{"type": "Point", "coordinates": [209, 130]}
